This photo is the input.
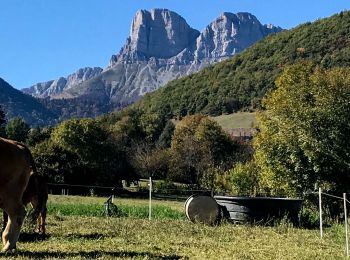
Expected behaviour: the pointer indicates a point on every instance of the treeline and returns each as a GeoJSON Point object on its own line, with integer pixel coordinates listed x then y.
{"type": "Point", "coordinates": [131, 144]}
{"type": "Point", "coordinates": [241, 82]}
{"type": "Point", "coordinates": [81, 107]}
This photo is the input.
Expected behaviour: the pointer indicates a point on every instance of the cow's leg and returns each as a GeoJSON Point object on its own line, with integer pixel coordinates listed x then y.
{"type": "Point", "coordinates": [16, 214]}
{"type": "Point", "coordinates": [36, 215]}
{"type": "Point", "coordinates": [36, 219]}
{"type": "Point", "coordinates": [42, 228]}
{"type": "Point", "coordinates": [40, 209]}
{"type": "Point", "coordinates": [4, 221]}
{"type": "Point", "coordinates": [40, 223]}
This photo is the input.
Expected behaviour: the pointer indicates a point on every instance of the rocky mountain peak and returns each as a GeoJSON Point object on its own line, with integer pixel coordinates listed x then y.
{"type": "Point", "coordinates": [83, 74]}
{"type": "Point", "coordinates": [229, 34]}
{"type": "Point", "coordinates": [55, 87]}
{"type": "Point", "coordinates": [158, 33]}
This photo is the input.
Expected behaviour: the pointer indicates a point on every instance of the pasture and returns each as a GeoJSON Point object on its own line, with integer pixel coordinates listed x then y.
{"type": "Point", "coordinates": [77, 229]}
{"type": "Point", "coordinates": [236, 120]}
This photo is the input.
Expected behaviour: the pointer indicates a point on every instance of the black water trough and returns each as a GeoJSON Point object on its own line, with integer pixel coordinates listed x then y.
{"type": "Point", "coordinates": [259, 209]}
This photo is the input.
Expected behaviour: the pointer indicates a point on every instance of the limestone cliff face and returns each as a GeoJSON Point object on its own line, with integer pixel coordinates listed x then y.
{"type": "Point", "coordinates": [161, 47]}
{"type": "Point", "coordinates": [230, 34]}
{"type": "Point", "coordinates": [158, 33]}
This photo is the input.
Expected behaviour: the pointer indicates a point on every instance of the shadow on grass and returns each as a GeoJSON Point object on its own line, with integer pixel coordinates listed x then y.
{"type": "Point", "coordinates": [89, 255]}
{"type": "Point", "coordinates": [32, 237]}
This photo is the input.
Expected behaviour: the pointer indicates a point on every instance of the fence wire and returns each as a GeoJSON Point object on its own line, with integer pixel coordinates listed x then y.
{"type": "Point", "coordinates": [329, 195]}
{"type": "Point", "coordinates": [180, 194]}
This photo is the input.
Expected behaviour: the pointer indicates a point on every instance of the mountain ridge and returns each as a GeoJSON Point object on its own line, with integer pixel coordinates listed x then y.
{"type": "Point", "coordinates": [54, 87]}
{"type": "Point", "coordinates": [161, 47]}
{"type": "Point", "coordinates": [17, 104]}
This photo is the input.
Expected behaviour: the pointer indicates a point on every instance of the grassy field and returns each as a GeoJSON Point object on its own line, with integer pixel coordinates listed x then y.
{"type": "Point", "coordinates": [236, 120]}
{"type": "Point", "coordinates": [89, 237]}
{"type": "Point", "coordinates": [94, 207]}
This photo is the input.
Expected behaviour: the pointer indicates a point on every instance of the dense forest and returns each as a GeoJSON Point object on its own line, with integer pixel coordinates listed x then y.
{"type": "Point", "coordinates": [17, 104]}
{"type": "Point", "coordinates": [240, 82]}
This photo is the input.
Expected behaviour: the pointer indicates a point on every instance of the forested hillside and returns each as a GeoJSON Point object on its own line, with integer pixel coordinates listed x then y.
{"type": "Point", "coordinates": [17, 104]}
{"type": "Point", "coordinates": [240, 82]}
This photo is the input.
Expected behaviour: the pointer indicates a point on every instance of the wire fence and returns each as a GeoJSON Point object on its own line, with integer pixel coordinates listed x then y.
{"type": "Point", "coordinates": [345, 202]}
{"type": "Point", "coordinates": [142, 192]}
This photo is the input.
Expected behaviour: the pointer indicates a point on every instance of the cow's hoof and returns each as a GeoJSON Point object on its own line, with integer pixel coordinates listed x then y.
{"type": "Point", "coordinates": [8, 249]}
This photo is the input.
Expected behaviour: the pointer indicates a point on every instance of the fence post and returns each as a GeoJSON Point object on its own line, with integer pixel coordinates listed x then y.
{"type": "Point", "coordinates": [346, 226]}
{"type": "Point", "coordinates": [150, 198]}
{"type": "Point", "coordinates": [320, 208]}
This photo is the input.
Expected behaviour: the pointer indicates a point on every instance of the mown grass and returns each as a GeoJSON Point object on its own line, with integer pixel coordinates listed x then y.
{"type": "Point", "coordinates": [89, 237]}
{"type": "Point", "coordinates": [236, 120]}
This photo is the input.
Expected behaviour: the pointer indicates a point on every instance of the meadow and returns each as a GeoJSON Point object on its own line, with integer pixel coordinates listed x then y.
{"type": "Point", "coordinates": [236, 120]}
{"type": "Point", "coordinates": [78, 229]}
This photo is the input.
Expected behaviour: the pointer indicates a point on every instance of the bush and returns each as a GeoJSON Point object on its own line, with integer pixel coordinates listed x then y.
{"type": "Point", "coordinates": [309, 217]}
{"type": "Point", "coordinates": [245, 179]}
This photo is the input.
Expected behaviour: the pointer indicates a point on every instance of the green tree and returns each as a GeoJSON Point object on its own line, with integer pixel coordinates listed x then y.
{"type": "Point", "coordinates": [198, 143]}
{"type": "Point", "coordinates": [244, 179]}
{"type": "Point", "coordinates": [60, 165]}
{"type": "Point", "coordinates": [17, 129]}
{"type": "Point", "coordinates": [303, 139]}
{"type": "Point", "coordinates": [151, 125]}
{"type": "Point", "coordinates": [127, 129]}
{"type": "Point", "coordinates": [164, 140]}
{"type": "Point", "coordinates": [83, 137]}
{"type": "Point", "coordinates": [103, 160]}
{"type": "Point", "coordinates": [37, 135]}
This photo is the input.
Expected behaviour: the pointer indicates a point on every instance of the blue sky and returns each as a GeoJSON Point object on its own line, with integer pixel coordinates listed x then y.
{"type": "Point", "coordinates": [45, 39]}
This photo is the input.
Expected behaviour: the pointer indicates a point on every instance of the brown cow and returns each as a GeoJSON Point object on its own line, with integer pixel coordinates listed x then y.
{"type": "Point", "coordinates": [36, 193]}
{"type": "Point", "coordinates": [16, 166]}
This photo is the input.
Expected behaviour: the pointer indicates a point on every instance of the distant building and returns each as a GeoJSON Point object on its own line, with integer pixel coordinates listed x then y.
{"type": "Point", "coordinates": [241, 134]}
